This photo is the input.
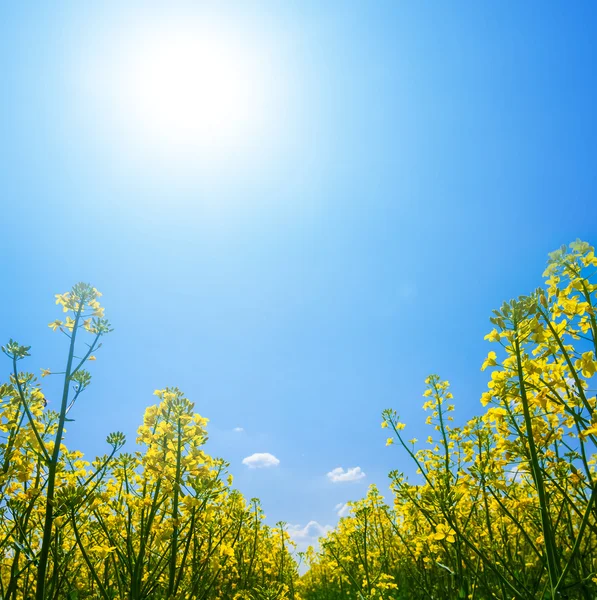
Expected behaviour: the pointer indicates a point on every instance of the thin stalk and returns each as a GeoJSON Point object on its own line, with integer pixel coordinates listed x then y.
{"type": "Point", "coordinates": [550, 547]}
{"type": "Point", "coordinates": [53, 463]}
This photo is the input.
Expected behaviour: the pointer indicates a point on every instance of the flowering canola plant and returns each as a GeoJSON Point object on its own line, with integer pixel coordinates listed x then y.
{"type": "Point", "coordinates": [160, 522]}
{"type": "Point", "coordinates": [504, 506]}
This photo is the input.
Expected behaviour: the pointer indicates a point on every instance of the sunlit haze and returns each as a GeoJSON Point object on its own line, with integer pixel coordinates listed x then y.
{"type": "Point", "coordinates": [186, 86]}
{"type": "Point", "coordinates": [184, 93]}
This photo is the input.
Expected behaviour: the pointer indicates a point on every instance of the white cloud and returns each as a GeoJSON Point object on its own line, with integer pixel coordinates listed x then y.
{"type": "Point", "coordinates": [342, 509]}
{"type": "Point", "coordinates": [308, 535]}
{"type": "Point", "coordinates": [260, 460]}
{"type": "Point", "coordinates": [339, 475]}
{"type": "Point", "coordinates": [238, 429]}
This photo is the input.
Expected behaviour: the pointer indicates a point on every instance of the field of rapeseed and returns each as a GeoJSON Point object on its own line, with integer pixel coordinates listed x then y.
{"type": "Point", "coordinates": [162, 522]}
{"type": "Point", "coordinates": [504, 506]}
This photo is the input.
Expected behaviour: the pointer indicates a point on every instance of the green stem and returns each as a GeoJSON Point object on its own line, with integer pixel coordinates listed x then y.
{"type": "Point", "coordinates": [550, 547]}
{"type": "Point", "coordinates": [86, 558]}
{"type": "Point", "coordinates": [174, 544]}
{"type": "Point", "coordinates": [53, 463]}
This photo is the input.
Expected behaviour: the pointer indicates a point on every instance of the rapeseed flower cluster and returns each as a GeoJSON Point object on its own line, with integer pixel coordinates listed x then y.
{"type": "Point", "coordinates": [159, 522]}
{"type": "Point", "coordinates": [505, 505]}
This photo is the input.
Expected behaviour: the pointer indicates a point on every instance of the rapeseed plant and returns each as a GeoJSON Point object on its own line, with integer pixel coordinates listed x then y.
{"type": "Point", "coordinates": [161, 522]}
{"type": "Point", "coordinates": [504, 506]}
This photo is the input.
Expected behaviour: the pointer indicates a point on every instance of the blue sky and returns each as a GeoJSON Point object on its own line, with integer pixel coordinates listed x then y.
{"type": "Point", "coordinates": [403, 169]}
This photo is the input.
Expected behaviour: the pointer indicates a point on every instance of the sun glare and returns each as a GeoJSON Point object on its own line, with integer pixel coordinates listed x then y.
{"type": "Point", "coordinates": [193, 87]}
{"type": "Point", "coordinates": [185, 91]}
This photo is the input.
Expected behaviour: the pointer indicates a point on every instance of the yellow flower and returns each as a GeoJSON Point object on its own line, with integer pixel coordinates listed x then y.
{"type": "Point", "coordinates": [586, 364]}
{"type": "Point", "coordinates": [493, 336]}
{"type": "Point", "coordinates": [489, 361]}
{"type": "Point", "coordinates": [389, 441]}
{"type": "Point", "coordinates": [589, 431]}
{"type": "Point", "coordinates": [92, 357]}
{"type": "Point", "coordinates": [384, 425]}
{"type": "Point", "coordinates": [45, 372]}
{"type": "Point", "coordinates": [55, 324]}
{"type": "Point", "coordinates": [103, 551]}
{"type": "Point", "coordinates": [443, 532]}
{"type": "Point", "coordinates": [486, 398]}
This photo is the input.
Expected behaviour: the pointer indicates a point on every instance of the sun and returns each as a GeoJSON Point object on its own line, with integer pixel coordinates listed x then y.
{"type": "Point", "coordinates": [187, 86]}
{"type": "Point", "coordinates": [187, 99]}
{"type": "Point", "coordinates": [184, 91]}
